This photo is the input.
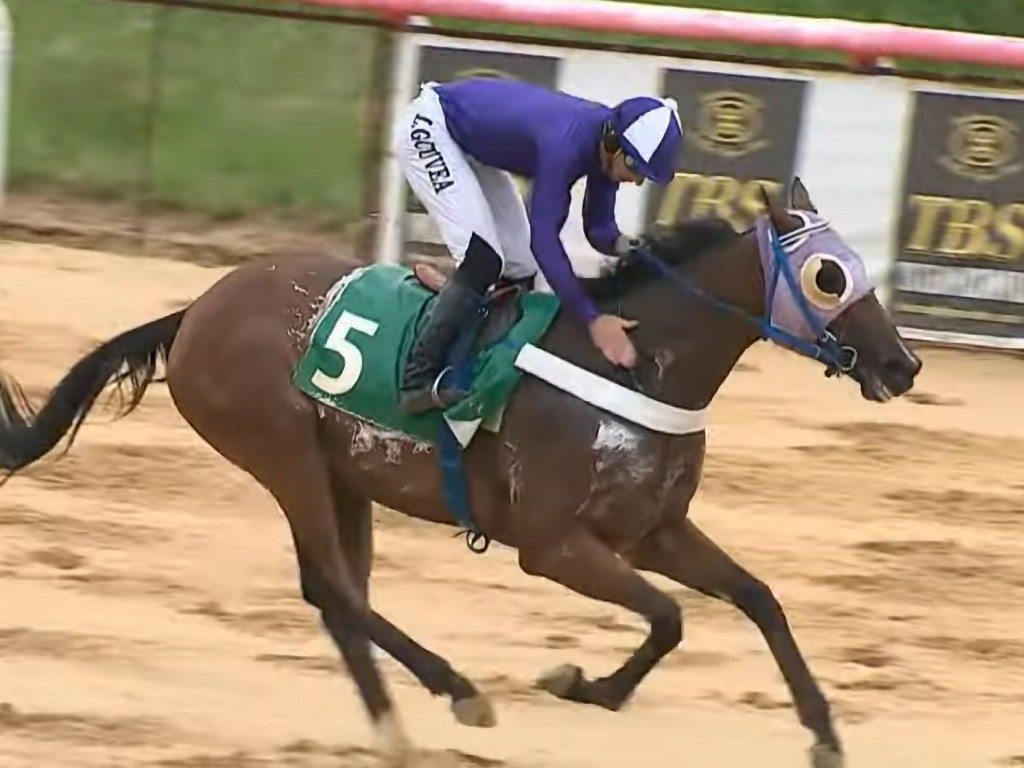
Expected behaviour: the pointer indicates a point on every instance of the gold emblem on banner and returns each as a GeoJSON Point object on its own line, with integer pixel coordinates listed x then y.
{"type": "Point", "coordinates": [465, 74]}
{"type": "Point", "coordinates": [982, 147]}
{"type": "Point", "coordinates": [729, 123]}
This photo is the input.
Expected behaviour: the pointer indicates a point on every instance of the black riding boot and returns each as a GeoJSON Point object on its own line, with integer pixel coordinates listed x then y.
{"type": "Point", "coordinates": [423, 379]}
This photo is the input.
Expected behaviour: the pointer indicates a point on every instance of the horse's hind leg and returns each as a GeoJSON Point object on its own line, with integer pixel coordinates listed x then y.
{"type": "Point", "coordinates": [585, 565]}
{"type": "Point", "coordinates": [303, 490]}
{"type": "Point", "coordinates": [681, 552]}
{"type": "Point", "coordinates": [354, 516]}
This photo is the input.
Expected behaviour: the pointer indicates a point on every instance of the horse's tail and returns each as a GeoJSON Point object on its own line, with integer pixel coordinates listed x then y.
{"type": "Point", "coordinates": [128, 360]}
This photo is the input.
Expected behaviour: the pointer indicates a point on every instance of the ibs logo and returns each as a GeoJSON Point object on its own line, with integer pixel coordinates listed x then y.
{"type": "Point", "coordinates": [982, 148]}
{"type": "Point", "coordinates": [729, 123]}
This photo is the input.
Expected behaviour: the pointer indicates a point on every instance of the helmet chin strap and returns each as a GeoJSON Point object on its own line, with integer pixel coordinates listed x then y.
{"type": "Point", "coordinates": [610, 139]}
{"type": "Point", "coordinates": [610, 148]}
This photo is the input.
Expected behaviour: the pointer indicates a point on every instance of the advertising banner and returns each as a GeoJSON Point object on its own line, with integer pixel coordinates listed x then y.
{"type": "Point", "coordinates": [742, 131]}
{"type": "Point", "coordinates": [959, 266]}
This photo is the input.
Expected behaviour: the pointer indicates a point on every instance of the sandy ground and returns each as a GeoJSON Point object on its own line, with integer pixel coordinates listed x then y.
{"type": "Point", "coordinates": [150, 616]}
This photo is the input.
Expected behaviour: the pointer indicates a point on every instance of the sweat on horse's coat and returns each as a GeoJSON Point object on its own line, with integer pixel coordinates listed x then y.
{"type": "Point", "coordinates": [577, 516]}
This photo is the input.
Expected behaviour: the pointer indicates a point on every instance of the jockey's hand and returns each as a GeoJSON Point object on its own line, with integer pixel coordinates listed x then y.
{"type": "Point", "coordinates": [608, 333]}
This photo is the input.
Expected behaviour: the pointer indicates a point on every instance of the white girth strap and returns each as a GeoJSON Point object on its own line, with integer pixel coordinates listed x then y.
{"type": "Point", "coordinates": [609, 396]}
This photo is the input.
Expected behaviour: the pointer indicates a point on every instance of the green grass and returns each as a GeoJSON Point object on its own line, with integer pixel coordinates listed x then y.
{"type": "Point", "coordinates": [257, 113]}
{"type": "Point", "coordinates": [79, 91]}
{"type": "Point", "coordinates": [253, 113]}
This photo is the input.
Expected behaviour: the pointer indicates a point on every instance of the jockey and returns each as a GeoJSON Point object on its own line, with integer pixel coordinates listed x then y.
{"type": "Point", "coordinates": [458, 142]}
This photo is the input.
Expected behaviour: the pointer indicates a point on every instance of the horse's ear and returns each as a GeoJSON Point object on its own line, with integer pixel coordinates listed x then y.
{"type": "Point", "coordinates": [799, 197]}
{"type": "Point", "coordinates": [776, 210]}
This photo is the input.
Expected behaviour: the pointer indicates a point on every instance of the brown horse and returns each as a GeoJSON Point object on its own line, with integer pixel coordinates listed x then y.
{"type": "Point", "coordinates": [586, 496]}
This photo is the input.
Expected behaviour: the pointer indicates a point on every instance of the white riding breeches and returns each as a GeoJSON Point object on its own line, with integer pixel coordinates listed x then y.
{"type": "Point", "coordinates": [462, 196]}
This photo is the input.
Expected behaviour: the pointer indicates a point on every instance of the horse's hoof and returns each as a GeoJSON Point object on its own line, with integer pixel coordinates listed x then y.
{"type": "Point", "coordinates": [393, 745]}
{"type": "Point", "coordinates": [475, 711]}
{"type": "Point", "coordinates": [561, 681]}
{"type": "Point", "coordinates": [397, 759]}
{"type": "Point", "coordinates": [825, 756]}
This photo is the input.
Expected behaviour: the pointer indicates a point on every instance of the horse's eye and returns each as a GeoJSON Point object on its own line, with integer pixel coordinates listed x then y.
{"type": "Point", "coordinates": [826, 282]}
{"type": "Point", "coordinates": [831, 279]}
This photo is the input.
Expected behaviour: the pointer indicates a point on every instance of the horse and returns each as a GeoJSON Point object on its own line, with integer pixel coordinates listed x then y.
{"type": "Point", "coordinates": [587, 498]}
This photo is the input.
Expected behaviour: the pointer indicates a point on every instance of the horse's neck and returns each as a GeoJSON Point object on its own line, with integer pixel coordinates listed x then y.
{"type": "Point", "coordinates": [695, 345]}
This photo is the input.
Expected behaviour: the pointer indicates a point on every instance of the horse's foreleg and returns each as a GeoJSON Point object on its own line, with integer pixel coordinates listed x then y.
{"type": "Point", "coordinates": [585, 565]}
{"type": "Point", "coordinates": [681, 552]}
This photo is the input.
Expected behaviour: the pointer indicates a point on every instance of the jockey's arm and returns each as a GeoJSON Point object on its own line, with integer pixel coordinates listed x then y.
{"type": "Point", "coordinates": [548, 209]}
{"type": "Point", "coordinates": [599, 223]}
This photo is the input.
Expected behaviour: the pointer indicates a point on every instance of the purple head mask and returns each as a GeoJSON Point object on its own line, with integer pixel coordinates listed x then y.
{"type": "Point", "coordinates": [829, 274]}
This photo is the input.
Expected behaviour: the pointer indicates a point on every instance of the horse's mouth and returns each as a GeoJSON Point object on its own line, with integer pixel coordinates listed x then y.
{"type": "Point", "coordinates": [878, 388]}
{"type": "Point", "coordinates": [874, 389]}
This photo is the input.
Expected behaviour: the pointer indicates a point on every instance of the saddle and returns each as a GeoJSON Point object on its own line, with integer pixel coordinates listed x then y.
{"type": "Point", "coordinates": [501, 304]}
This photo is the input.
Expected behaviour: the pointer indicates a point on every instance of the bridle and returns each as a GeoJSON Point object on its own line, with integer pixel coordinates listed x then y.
{"type": "Point", "coordinates": [838, 359]}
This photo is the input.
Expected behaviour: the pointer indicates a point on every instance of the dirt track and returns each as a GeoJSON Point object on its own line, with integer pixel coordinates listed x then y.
{"type": "Point", "coordinates": [149, 610]}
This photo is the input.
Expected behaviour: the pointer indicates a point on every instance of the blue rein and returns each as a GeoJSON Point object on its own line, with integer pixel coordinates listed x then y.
{"type": "Point", "coordinates": [826, 349]}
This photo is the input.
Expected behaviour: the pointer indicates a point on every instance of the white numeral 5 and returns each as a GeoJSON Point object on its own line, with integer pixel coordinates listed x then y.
{"type": "Point", "coordinates": [338, 342]}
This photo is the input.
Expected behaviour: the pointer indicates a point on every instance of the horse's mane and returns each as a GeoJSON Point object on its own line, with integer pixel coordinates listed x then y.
{"type": "Point", "coordinates": [676, 244]}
